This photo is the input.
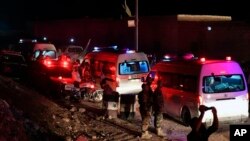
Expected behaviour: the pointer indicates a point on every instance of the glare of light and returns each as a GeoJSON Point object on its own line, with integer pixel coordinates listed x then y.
{"type": "Point", "coordinates": [130, 51]}
{"type": "Point", "coordinates": [72, 40]}
{"type": "Point", "coordinates": [45, 38]}
{"type": "Point", "coordinates": [228, 58]}
{"type": "Point", "coordinates": [167, 57]}
{"type": "Point", "coordinates": [60, 77]}
{"type": "Point", "coordinates": [209, 28]}
{"type": "Point", "coordinates": [203, 59]}
{"type": "Point", "coordinates": [34, 41]}
{"type": "Point", "coordinates": [20, 40]}
{"type": "Point", "coordinates": [96, 49]}
{"type": "Point", "coordinates": [114, 47]}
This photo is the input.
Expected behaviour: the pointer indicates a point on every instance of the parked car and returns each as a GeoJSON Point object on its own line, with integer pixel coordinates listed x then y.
{"type": "Point", "coordinates": [12, 63]}
{"type": "Point", "coordinates": [74, 52]}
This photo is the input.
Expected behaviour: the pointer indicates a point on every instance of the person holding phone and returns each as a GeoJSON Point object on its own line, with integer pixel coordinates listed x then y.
{"type": "Point", "coordinates": [199, 131]}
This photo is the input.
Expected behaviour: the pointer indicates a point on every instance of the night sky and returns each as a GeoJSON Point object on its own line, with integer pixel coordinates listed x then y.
{"type": "Point", "coordinates": [21, 10]}
{"type": "Point", "coordinates": [15, 14]}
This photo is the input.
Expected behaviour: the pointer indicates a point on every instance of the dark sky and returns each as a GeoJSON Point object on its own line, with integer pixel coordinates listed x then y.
{"type": "Point", "coordinates": [15, 13]}
{"type": "Point", "coordinates": [20, 10]}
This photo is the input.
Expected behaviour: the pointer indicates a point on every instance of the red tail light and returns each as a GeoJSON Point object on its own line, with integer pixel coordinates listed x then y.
{"type": "Point", "coordinates": [92, 86]}
{"type": "Point", "coordinates": [65, 64]}
{"type": "Point", "coordinates": [47, 63]}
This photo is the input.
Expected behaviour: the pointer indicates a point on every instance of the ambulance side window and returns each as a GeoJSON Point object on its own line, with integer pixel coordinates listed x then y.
{"type": "Point", "coordinates": [189, 83]}
{"type": "Point", "coordinates": [108, 68]}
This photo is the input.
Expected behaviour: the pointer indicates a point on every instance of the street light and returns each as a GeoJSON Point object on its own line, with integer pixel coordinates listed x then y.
{"type": "Point", "coordinates": [72, 40]}
{"type": "Point", "coordinates": [45, 38]}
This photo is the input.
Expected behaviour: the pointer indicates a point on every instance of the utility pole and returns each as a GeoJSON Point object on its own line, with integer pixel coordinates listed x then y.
{"type": "Point", "coordinates": [136, 25]}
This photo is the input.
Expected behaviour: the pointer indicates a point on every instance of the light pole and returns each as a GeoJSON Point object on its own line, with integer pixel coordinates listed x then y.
{"type": "Point", "coordinates": [136, 25]}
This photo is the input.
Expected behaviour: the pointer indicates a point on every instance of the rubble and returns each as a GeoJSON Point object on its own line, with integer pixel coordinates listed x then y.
{"type": "Point", "coordinates": [10, 128]}
{"type": "Point", "coordinates": [40, 119]}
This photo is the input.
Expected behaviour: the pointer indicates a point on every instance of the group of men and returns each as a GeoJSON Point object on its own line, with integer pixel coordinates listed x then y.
{"type": "Point", "coordinates": [151, 103]}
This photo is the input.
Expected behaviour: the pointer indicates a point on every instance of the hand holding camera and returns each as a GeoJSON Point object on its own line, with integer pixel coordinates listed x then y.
{"type": "Point", "coordinates": [204, 108]}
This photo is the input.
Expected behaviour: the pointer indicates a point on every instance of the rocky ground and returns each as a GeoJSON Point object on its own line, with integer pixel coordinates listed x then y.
{"type": "Point", "coordinates": [41, 119]}
{"type": "Point", "coordinates": [26, 115]}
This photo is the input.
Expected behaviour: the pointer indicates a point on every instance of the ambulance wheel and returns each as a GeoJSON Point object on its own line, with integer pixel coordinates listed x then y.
{"type": "Point", "coordinates": [185, 116]}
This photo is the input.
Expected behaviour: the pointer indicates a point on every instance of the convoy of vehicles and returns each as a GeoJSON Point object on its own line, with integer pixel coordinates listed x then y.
{"type": "Point", "coordinates": [187, 83]}
{"type": "Point", "coordinates": [186, 86]}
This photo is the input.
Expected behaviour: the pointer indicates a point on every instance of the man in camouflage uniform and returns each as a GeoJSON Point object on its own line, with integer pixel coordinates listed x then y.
{"type": "Point", "coordinates": [145, 101]}
{"type": "Point", "coordinates": [158, 105]}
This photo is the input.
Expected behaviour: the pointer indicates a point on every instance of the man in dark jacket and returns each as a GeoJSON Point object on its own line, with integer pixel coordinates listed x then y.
{"type": "Point", "coordinates": [107, 93]}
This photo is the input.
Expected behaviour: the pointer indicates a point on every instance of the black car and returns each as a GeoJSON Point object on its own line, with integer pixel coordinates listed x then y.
{"type": "Point", "coordinates": [12, 63]}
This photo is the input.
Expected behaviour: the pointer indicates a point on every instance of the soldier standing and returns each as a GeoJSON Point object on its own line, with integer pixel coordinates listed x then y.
{"type": "Point", "coordinates": [158, 105]}
{"type": "Point", "coordinates": [145, 101]}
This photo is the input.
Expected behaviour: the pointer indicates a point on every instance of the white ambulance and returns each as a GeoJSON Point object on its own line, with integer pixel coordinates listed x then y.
{"type": "Point", "coordinates": [123, 69]}
{"type": "Point", "coordinates": [190, 83]}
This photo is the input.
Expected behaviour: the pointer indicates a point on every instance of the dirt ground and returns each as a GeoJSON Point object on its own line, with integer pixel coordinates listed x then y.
{"type": "Point", "coordinates": [53, 122]}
